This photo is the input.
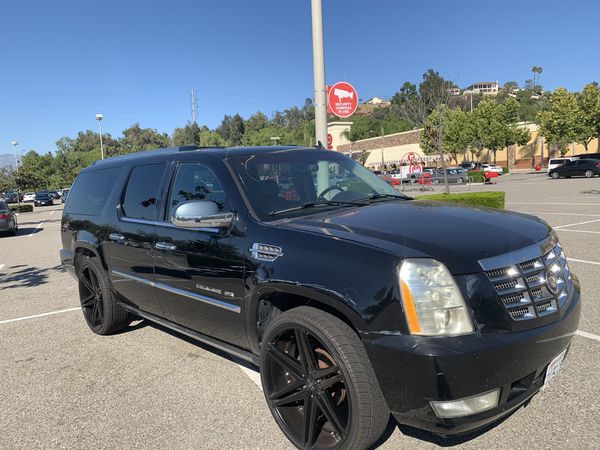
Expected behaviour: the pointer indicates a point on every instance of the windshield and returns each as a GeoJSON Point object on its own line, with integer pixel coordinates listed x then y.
{"type": "Point", "coordinates": [288, 179]}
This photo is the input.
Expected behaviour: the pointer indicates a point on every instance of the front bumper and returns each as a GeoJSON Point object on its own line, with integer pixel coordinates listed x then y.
{"type": "Point", "coordinates": [413, 370]}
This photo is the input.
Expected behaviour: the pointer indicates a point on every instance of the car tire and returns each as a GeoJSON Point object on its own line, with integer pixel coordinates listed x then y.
{"type": "Point", "coordinates": [15, 228]}
{"type": "Point", "coordinates": [335, 385]}
{"type": "Point", "coordinates": [589, 174]}
{"type": "Point", "coordinates": [555, 175]}
{"type": "Point", "coordinates": [101, 312]}
{"type": "Point", "coordinates": [436, 181]}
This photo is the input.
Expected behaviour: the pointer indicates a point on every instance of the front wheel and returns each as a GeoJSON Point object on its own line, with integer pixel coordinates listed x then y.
{"type": "Point", "coordinates": [319, 383]}
{"type": "Point", "coordinates": [589, 173]}
{"type": "Point", "coordinates": [555, 175]}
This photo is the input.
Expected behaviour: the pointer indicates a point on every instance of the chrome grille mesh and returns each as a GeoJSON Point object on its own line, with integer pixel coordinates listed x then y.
{"type": "Point", "coordinates": [534, 288]}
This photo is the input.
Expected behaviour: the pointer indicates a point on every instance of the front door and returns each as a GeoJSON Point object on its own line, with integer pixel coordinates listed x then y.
{"type": "Point", "coordinates": [132, 238]}
{"type": "Point", "coordinates": [199, 272]}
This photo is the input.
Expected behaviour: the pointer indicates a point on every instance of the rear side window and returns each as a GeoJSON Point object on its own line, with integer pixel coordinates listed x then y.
{"type": "Point", "coordinates": [3, 207]}
{"type": "Point", "coordinates": [91, 191]}
{"type": "Point", "coordinates": [141, 194]}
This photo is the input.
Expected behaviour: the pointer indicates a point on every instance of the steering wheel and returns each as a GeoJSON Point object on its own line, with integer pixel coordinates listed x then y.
{"type": "Point", "coordinates": [329, 189]}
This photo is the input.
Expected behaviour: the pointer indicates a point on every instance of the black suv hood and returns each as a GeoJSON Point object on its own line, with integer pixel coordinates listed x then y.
{"type": "Point", "coordinates": [456, 235]}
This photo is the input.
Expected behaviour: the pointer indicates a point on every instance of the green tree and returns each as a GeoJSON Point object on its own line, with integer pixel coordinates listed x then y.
{"type": "Point", "coordinates": [559, 124]}
{"type": "Point", "coordinates": [136, 138]}
{"type": "Point", "coordinates": [589, 124]}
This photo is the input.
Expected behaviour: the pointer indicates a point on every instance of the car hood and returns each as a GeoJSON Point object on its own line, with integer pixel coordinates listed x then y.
{"type": "Point", "coordinates": [458, 236]}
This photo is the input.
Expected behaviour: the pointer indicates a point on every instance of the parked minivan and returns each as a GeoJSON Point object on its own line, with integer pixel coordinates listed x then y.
{"type": "Point", "coordinates": [553, 163]}
{"type": "Point", "coordinates": [345, 295]}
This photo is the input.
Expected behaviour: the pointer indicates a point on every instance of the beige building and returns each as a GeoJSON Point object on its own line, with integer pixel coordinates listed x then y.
{"type": "Point", "coordinates": [392, 149]}
{"type": "Point", "coordinates": [484, 87]}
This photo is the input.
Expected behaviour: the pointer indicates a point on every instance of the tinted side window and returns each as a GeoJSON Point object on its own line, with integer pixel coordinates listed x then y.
{"type": "Point", "coordinates": [195, 182]}
{"type": "Point", "coordinates": [91, 191]}
{"type": "Point", "coordinates": [141, 194]}
{"type": "Point", "coordinates": [3, 207]}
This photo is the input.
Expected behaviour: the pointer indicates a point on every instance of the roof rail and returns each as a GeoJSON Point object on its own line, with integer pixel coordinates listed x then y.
{"type": "Point", "coordinates": [186, 148]}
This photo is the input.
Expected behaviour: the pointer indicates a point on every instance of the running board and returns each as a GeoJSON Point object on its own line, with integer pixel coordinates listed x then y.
{"type": "Point", "coordinates": [227, 348]}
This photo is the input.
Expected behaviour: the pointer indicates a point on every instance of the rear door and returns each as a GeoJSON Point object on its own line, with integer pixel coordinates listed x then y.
{"type": "Point", "coordinates": [199, 272]}
{"type": "Point", "coordinates": [132, 235]}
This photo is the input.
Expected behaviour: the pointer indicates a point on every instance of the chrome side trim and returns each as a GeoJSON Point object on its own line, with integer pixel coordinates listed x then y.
{"type": "Point", "coordinates": [182, 292]}
{"type": "Point", "coordinates": [228, 348]}
{"type": "Point", "coordinates": [165, 224]}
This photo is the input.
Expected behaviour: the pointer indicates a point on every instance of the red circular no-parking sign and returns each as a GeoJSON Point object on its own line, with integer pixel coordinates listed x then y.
{"type": "Point", "coordinates": [329, 141]}
{"type": "Point", "coordinates": [342, 99]}
{"type": "Point", "coordinates": [415, 168]}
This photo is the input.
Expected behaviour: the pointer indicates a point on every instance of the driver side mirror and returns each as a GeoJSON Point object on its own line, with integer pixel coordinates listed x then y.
{"type": "Point", "coordinates": [200, 214]}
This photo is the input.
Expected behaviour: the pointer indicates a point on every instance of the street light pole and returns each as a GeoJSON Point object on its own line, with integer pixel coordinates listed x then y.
{"type": "Point", "coordinates": [320, 90]}
{"type": "Point", "coordinates": [15, 143]}
{"type": "Point", "coordinates": [319, 72]}
{"type": "Point", "coordinates": [99, 118]}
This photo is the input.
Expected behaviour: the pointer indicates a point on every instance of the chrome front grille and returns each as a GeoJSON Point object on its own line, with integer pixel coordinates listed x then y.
{"type": "Point", "coordinates": [531, 286]}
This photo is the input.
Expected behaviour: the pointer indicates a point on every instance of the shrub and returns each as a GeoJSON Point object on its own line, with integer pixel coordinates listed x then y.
{"type": "Point", "coordinates": [505, 170]}
{"type": "Point", "coordinates": [488, 199]}
{"type": "Point", "coordinates": [21, 208]}
{"type": "Point", "coordinates": [476, 177]}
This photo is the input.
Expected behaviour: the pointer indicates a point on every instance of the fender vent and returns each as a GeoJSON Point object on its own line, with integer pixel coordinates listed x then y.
{"type": "Point", "coordinates": [265, 252]}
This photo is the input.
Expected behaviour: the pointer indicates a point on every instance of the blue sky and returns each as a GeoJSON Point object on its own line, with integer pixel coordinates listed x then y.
{"type": "Point", "coordinates": [136, 61]}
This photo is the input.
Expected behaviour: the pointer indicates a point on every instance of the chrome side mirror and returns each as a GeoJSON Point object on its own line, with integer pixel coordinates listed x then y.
{"type": "Point", "coordinates": [200, 214]}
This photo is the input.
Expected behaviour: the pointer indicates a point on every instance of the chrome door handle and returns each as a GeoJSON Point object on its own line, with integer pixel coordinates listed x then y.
{"type": "Point", "coordinates": [116, 237]}
{"type": "Point", "coordinates": [164, 246]}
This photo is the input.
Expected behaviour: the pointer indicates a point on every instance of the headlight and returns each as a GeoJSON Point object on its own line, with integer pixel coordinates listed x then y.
{"type": "Point", "coordinates": [433, 304]}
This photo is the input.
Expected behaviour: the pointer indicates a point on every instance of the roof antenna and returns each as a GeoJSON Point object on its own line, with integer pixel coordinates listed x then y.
{"type": "Point", "coordinates": [320, 145]}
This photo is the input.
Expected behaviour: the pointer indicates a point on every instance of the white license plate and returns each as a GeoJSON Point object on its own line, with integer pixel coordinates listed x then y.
{"type": "Point", "coordinates": [554, 367]}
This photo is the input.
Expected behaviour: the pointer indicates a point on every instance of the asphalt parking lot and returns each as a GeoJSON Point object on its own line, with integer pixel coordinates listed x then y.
{"type": "Point", "coordinates": [63, 386]}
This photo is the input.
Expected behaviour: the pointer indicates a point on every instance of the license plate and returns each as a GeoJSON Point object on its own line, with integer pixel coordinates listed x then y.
{"type": "Point", "coordinates": [554, 367]}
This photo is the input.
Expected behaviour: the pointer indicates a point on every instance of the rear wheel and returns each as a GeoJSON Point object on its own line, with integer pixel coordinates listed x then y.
{"type": "Point", "coordinates": [100, 310]}
{"type": "Point", "coordinates": [14, 228]}
{"type": "Point", "coordinates": [555, 175]}
{"type": "Point", "coordinates": [589, 173]}
{"type": "Point", "coordinates": [319, 383]}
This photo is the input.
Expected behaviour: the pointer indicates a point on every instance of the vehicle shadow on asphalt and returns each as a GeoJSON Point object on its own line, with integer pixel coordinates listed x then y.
{"type": "Point", "coordinates": [26, 276]}
{"type": "Point", "coordinates": [24, 231]}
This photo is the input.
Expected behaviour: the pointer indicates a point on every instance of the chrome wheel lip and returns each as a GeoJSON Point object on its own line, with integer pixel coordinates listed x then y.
{"type": "Point", "coordinates": [306, 385]}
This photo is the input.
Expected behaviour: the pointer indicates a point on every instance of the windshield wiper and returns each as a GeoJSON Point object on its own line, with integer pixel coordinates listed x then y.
{"type": "Point", "coordinates": [376, 196]}
{"type": "Point", "coordinates": [315, 204]}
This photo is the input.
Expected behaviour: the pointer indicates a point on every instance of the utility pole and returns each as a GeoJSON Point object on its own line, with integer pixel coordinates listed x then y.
{"type": "Point", "coordinates": [15, 143]}
{"type": "Point", "coordinates": [382, 158]}
{"type": "Point", "coordinates": [99, 118]}
{"type": "Point", "coordinates": [320, 90]}
{"type": "Point", "coordinates": [194, 105]}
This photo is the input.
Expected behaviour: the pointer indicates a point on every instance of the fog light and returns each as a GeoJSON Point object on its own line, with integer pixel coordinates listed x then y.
{"type": "Point", "coordinates": [466, 406]}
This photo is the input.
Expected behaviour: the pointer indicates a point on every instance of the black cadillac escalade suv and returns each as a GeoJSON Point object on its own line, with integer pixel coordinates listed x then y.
{"type": "Point", "coordinates": [354, 300]}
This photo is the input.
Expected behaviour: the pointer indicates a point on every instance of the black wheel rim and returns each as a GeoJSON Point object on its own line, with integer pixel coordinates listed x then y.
{"type": "Point", "coordinates": [90, 294]}
{"type": "Point", "coordinates": [306, 389]}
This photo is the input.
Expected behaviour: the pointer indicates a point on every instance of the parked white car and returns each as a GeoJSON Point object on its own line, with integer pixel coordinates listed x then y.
{"type": "Point", "coordinates": [28, 196]}
{"type": "Point", "coordinates": [491, 168]}
{"type": "Point", "coordinates": [555, 162]}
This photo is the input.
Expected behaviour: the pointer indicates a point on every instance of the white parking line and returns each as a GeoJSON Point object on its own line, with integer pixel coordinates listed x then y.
{"type": "Point", "coordinates": [585, 334]}
{"type": "Point", "coordinates": [561, 213]}
{"type": "Point", "coordinates": [584, 261]}
{"type": "Point", "coordinates": [60, 311]}
{"type": "Point", "coordinates": [52, 212]}
{"type": "Point", "coordinates": [578, 223]}
{"type": "Point", "coordinates": [35, 229]}
{"type": "Point", "coordinates": [553, 203]}
{"type": "Point", "coordinates": [581, 231]}
{"type": "Point", "coordinates": [2, 266]}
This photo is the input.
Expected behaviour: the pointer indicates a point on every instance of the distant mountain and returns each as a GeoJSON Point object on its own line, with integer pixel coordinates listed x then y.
{"type": "Point", "coordinates": [7, 159]}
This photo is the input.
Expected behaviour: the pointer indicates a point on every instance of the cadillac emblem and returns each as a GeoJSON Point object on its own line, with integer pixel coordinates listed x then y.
{"type": "Point", "coordinates": [552, 282]}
